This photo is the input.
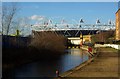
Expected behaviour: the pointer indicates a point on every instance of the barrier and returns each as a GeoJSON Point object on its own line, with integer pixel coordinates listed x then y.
{"type": "Point", "coordinates": [109, 45]}
{"type": "Point", "coordinates": [69, 47]}
{"type": "Point", "coordinates": [113, 46]}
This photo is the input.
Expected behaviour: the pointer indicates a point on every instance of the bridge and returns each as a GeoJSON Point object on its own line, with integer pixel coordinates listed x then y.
{"type": "Point", "coordinates": [73, 31]}
{"type": "Point", "coordinates": [80, 40]}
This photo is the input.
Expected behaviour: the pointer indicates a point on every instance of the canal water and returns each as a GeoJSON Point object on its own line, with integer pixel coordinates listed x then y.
{"type": "Point", "coordinates": [47, 68]}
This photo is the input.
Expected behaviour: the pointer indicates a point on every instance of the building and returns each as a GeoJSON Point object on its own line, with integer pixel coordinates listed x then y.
{"type": "Point", "coordinates": [118, 23]}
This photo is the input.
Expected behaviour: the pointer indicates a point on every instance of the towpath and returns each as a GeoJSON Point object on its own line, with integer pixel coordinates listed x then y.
{"type": "Point", "coordinates": [104, 65]}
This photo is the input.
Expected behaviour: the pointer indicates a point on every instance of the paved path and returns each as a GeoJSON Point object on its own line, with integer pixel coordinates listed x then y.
{"type": "Point", "coordinates": [105, 65]}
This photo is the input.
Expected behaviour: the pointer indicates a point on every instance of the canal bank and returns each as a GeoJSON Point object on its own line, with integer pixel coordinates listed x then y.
{"type": "Point", "coordinates": [81, 65]}
{"type": "Point", "coordinates": [48, 68]}
{"type": "Point", "coordinates": [105, 65]}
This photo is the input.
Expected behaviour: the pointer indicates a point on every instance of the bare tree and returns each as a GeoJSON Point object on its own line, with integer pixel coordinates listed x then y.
{"type": "Point", "coordinates": [22, 24]}
{"type": "Point", "coordinates": [8, 14]}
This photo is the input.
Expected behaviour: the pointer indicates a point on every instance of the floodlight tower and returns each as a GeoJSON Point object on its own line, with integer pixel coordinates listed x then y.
{"type": "Point", "coordinates": [66, 26]}
{"type": "Point", "coordinates": [81, 35]}
{"type": "Point", "coordinates": [98, 21]}
{"type": "Point", "coordinates": [81, 22]}
{"type": "Point", "coordinates": [109, 22]}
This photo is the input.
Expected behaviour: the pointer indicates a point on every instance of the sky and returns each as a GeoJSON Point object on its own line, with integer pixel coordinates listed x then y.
{"type": "Point", "coordinates": [60, 0]}
{"type": "Point", "coordinates": [71, 12]}
{"type": "Point", "coordinates": [89, 11]}
{"type": "Point", "coordinates": [119, 4]}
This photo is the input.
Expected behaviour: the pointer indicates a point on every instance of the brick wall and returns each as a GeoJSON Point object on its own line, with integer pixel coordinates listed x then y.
{"type": "Point", "coordinates": [118, 25]}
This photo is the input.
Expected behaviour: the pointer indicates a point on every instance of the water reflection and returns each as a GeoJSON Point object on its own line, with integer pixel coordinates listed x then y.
{"type": "Point", "coordinates": [47, 68]}
{"type": "Point", "coordinates": [76, 52]}
{"type": "Point", "coordinates": [72, 59]}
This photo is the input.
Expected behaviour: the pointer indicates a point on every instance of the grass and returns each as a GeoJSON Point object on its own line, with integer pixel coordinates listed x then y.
{"type": "Point", "coordinates": [108, 49]}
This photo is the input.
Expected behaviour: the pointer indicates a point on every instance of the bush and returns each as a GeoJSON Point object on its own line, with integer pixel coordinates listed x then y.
{"type": "Point", "coordinates": [116, 42]}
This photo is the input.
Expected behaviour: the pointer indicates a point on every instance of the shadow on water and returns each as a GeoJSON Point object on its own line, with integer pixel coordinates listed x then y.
{"type": "Point", "coordinates": [47, 68]}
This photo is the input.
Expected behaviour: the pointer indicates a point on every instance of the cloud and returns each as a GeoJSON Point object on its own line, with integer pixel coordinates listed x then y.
{"type": "Point", "coordinates": [37, 17]}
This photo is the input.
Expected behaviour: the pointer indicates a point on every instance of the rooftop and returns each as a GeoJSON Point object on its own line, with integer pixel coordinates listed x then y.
{"type": "Point", "coordinates": [118, 10]}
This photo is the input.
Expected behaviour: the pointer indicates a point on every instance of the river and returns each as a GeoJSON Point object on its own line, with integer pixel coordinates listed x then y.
{"type": "Point", "coordinates": [47, 68]}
